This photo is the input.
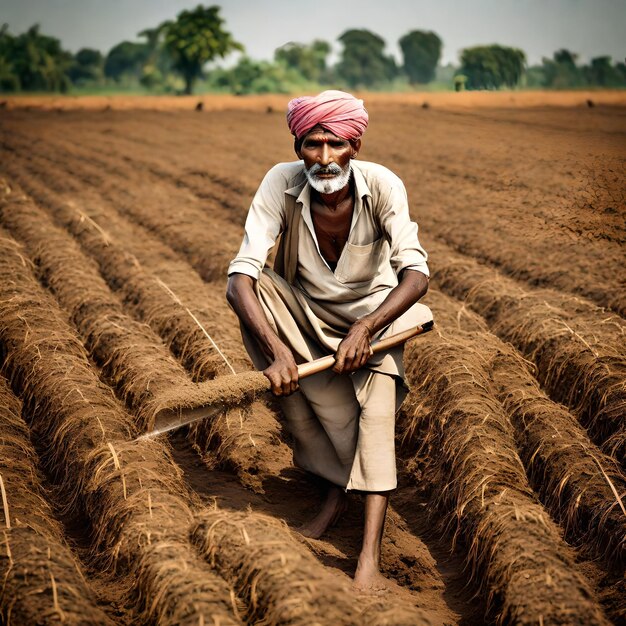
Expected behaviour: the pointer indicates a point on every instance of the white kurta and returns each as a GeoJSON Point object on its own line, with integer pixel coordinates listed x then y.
{"type": "Point", "coordinates": [354, 445]}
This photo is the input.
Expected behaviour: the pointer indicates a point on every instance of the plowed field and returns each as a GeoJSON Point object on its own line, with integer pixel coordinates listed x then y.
{"type": "Point", "coordinates": [116, 229]}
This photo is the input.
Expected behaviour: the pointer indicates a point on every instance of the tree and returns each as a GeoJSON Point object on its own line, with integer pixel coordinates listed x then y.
{"type": "Point", "coordinates": [421, 51]}
{"type": "Point", "coordinates": [125, 58]}
{"type": "Point", "coordinates": [241, 78]}
{"type": "Point", "coordinates": [39, 61]}
{"type": "Point", "coordinates": [87, 66]}
{"type": "Point", "coordinates": [561, 72]}
{"type": "Point", "coordinates": [363, 62]}
{"type": "Point", "coordinates": [153, 38]}
{"type": "Point", "coordinates": [195, 38]}
{"type": "Point", "coordinates": [535, 76]}
{"type": "Point", "coordinates": [511, 62]}
{"type": "Point", "coordinates": [491, 67]}
{"type": "Point", "coordinates": [9, 80]}
{"type": "Point", "coordinates": [250, 76]}
{"type": "Point", "coordinates": [157, 65]}
{"type": "Point", "coordinates": [309, 61]}
{"type": "Point", "coordinates": [565, 57]}
{"type": "Point", "coordinates": [603, 73]}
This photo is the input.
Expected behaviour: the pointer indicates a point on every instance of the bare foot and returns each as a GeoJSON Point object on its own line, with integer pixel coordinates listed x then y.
{"type": "Point", "coordinates": [368, 579]}
{"type": "Point", "coordinates": [333, 508]}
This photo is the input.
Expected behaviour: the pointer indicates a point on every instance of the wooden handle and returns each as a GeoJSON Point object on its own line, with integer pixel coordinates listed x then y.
{"type": "Point", "coordinates": [326, 362]}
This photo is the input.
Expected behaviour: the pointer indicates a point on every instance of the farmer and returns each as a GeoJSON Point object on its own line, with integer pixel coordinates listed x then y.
{"type": "Point", "coordinates": [348, 268]}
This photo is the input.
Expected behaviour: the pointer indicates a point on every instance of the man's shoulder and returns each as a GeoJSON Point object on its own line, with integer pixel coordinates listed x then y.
{"type": "Point", "coordinates": [378, 177]}
{"type": "Point", "coordinates": [285, 175]}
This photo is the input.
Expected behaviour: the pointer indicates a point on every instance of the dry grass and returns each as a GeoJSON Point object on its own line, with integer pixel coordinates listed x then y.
{"type": "Point", "coordinates": [282, 582]}
{"type": "Point", "coordinates": [138, 508]}
{"type": "Point", "coordinates": [581, 487]}
{"type": "Point", "coordinates": [41, 581]}
{"type": "Point", "coordinates": [479, 483]}
{"type": "Point", "coordinates": [135, 521]}
{"type": "Point", "coordinates": [117, 245]}
{"type": "Point", "coordinates": [228, 439]}
{"type": "Point", "coordinates": [113, 185]}
{"type": "Point", "coordinates": [134, 359]}
{"type": "Point", "coordinates": [578, 349]}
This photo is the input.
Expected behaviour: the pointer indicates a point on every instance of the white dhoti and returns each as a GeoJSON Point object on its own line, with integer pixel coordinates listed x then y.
{"type": "Point", "coordinates": [342, 424]}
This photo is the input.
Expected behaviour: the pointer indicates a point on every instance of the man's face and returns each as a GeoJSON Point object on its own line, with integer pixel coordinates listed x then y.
{"type": "Point", "coordinates": [326, 160]}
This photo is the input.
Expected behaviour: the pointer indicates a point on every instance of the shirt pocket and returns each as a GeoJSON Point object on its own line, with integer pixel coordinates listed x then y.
{"type": "Point", "coordinates": [360, 263]}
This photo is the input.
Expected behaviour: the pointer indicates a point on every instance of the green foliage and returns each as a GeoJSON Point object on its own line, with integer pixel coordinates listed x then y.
{"type": "Point", "coordinates": [250, 76]}
{"type": "Point", "coordinates": [603, 74]}
{"type": "Point", "coordinates": [195, 38]}
{"type": "Point", "coordinates": [308, 61]}
{"type": "Point", "coordinates": [460, 81]}
{"type": "Point", "coordinates": [151, 76]}
{"type": "Point", "coordinates": [125, 59]}
{"type": "Point", "coordinates": [33, 62]}
{"type": "Point", "coordinates": [492, 67]}
{"type": "Point", "coordinates": [9, 80]}
{"type": "Point", "coordinates": [156, 72]}
{"type": "Point", "coordinates": [88, 67]}
{"type": "Point", "coordinates": [421, 51]}
{"type": "Point", "coordinates": [173, 55]}
{"type": "Point", "coordinates": [363, 62]}
{"type": "Point", "coordinates": [561, 72]}
{"type": "Point", "coordinates": [154, 38]}
{"type": "Point", "coordinates": [534, 77]}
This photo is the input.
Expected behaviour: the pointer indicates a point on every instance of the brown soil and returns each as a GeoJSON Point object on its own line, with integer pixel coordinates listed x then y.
{"type": "Point", "coordinates": [117, 225]}
{"type": "Point", "coordinates": [470, 99]}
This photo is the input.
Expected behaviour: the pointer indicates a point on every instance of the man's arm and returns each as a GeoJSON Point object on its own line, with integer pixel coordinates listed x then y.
{"type": "Point", "coordinates": [408, 259]}
{"type": "Point", "coordinates": [283, 372]}
{"type": "Point", "coordinates": [355, 349]}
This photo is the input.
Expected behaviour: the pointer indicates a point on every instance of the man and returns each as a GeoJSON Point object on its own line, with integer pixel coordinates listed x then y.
{"type": "Point", "coordinates": [348, 268]}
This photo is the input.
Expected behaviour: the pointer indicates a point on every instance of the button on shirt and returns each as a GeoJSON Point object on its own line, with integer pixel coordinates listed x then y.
{"type": "Point", "coordinates": [382, 242]}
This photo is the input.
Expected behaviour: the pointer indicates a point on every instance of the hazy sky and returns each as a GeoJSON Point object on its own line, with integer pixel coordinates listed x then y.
{"type": "Point", "coordinates": [588, 27]}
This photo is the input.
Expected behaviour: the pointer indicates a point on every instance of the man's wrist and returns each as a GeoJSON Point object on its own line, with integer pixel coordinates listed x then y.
{"type": "Point", "coordinates": [279, 349]}
{"type": "Point", "coordinates": [368, 324]}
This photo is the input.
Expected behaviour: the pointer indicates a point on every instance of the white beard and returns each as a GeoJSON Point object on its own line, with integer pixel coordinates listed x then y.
{"type": "Point", "coordinates": [328, 185]}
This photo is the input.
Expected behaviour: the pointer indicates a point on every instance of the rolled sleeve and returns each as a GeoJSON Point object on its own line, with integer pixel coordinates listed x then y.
{"type": "Point", "coordinates": [402, 233]}
{"type": "Point", "coordinates": [264, 223]}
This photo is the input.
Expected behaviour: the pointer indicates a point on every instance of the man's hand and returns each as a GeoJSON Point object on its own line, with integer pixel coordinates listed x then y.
{"type": "Point", "coordinates": [355, 349]}
{"type": "Point", "coordinates": [283, 373]}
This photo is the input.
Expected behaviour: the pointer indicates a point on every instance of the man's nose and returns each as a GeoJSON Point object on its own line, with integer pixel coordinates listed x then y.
{"type": "Point", "coordinates": [325, 155]}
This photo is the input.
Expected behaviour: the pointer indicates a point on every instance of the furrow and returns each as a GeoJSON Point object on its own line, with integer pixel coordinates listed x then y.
{"type": "Point", "coordinates": [41, 580]}
{"type": "Point", "coordinates": [578, 349]}
{"type": "Point", "coordinates": [132, 493]}
{"type": "Point", "coordinates": [481, 488]}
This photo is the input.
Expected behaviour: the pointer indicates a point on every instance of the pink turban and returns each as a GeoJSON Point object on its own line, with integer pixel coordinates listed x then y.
{"type": "Point", "coordinates": [337, 111]}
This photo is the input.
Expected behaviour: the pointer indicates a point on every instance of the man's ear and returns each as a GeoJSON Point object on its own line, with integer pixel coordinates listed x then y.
{"type": "Point", "coordinates": [356, 146]}
{"type": "Point", "coordinates": [296, 148]}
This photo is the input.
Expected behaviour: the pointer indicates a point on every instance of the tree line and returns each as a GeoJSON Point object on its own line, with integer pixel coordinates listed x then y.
{"type": "Point", "coordinates": [172, 57]}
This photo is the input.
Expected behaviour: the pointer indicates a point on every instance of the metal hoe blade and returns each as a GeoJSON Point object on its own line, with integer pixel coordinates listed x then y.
{"type": "Point", "coordinates": [172, 420]}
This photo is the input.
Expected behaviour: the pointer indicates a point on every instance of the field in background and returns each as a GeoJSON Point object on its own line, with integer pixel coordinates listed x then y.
{"type": "Point", "coordinates": [472, 99]}
{"type": "Point", "coordinates": [511, 444]}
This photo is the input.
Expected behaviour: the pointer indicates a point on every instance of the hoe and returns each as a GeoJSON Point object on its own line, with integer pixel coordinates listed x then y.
{"type": "Point", "coordinates": [178, 407]}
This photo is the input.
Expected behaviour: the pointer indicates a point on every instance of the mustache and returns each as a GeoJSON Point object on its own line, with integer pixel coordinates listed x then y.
{"type": "Point", "coordinates": [332, 168]}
